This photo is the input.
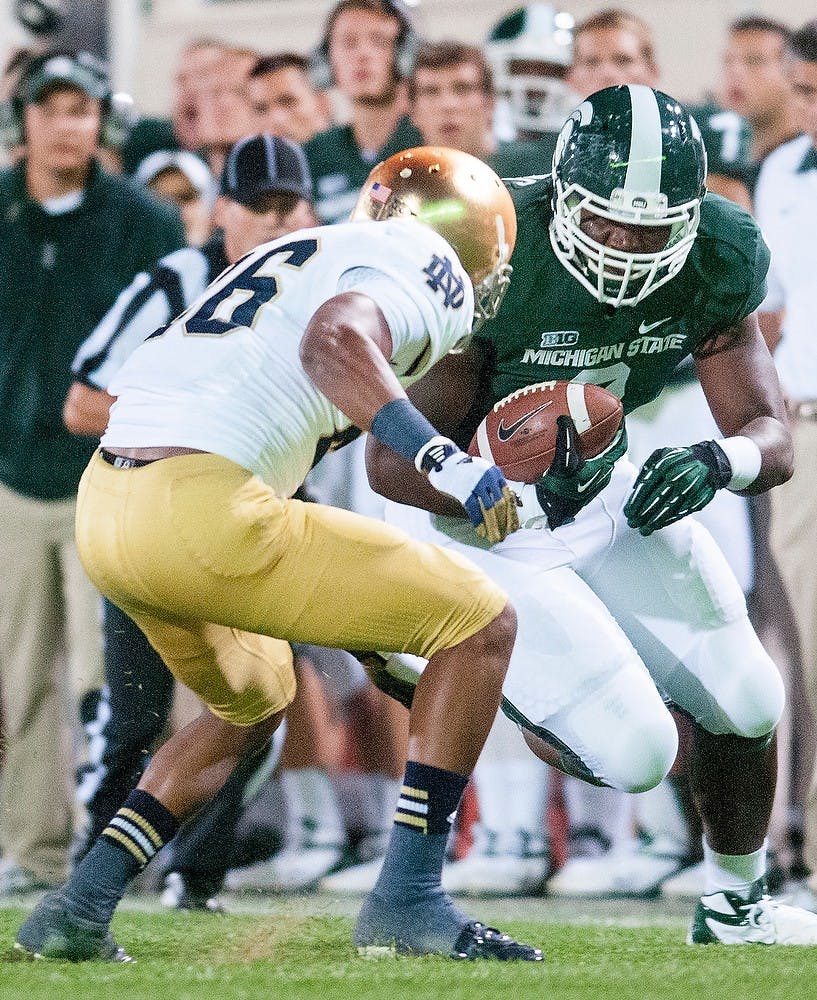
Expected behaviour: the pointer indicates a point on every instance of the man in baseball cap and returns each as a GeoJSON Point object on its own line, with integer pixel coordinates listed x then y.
{"type": "Point", "coordinates": [265, 192]}
{"type": "Point", "coordinates": [82, 70]}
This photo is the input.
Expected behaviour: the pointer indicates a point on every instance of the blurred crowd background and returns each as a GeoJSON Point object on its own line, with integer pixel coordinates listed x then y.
{"type": "Point", "coordinates": [228, 124]}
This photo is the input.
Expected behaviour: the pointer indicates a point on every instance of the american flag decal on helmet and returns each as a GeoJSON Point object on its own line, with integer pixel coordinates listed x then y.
{"type": "Point", "coordinates": [379, 192]}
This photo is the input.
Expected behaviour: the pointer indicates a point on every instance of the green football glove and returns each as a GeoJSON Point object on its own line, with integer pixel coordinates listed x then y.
{"type": "Point", "coordinates": [572, 481]}
{"type": "Point", "coordinates": [675, 482]}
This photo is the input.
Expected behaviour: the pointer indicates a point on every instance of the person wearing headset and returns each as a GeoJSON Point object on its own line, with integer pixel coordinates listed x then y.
{"type": "Point", "coordinates": [366, 53]}
{"type": "Point", "coordinates": [72, 238]}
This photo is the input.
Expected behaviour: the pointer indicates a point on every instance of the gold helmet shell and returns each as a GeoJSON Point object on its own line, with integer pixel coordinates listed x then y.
{"type": "Point", "coordinates": [460, 198]}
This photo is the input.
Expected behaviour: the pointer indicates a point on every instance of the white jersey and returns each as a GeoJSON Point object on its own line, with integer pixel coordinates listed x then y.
{"type": "Point", "coordinates": [226, 376]}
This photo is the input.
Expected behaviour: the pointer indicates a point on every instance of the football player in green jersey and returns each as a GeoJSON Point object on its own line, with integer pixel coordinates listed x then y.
{"type": "Point", "coordinates": [623, 267]}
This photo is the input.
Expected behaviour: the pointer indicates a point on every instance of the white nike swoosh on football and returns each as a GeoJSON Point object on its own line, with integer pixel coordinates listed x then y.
{"type": "Point", "coordinates": [646, 327]}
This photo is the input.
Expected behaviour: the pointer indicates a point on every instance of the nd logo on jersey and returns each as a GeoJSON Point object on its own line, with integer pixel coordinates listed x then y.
{"type": "Point", "coordinates": [441, 277]}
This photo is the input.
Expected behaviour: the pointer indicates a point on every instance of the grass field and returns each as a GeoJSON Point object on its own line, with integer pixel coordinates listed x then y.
{"type": "Point", "coordinates": [300, 950]}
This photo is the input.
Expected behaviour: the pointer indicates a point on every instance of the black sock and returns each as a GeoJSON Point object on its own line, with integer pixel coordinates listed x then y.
{"type": "Point", "coordinates": [134, 835]}
{"type": "Point", "coordinates": [429, 798]}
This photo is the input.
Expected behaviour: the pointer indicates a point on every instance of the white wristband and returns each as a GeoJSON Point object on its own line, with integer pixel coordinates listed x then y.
{"type": "Point", "coordinates": [745, 460]}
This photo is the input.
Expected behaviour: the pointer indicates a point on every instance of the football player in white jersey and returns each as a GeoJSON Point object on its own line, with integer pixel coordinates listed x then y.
{"type": "Point", "coordinates": [185, 522]}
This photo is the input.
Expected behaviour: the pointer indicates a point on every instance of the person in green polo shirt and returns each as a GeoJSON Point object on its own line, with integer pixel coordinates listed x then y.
{"type": "Point", "coordinates": [71, 237]}
{"type": "Point", "coordinates": [367, 51]}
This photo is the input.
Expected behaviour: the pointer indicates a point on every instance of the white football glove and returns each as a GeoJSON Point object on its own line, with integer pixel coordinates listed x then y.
{"type": "Point", "coordinates": [478, 485]}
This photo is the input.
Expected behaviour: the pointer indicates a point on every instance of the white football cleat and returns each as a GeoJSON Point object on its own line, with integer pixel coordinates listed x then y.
{"type": "Point", "coordinates": [725, 918]}
{"type": "Point", "coordinates": [496, 875]}
{"type": "Point", "coordinates": [355, 879]}
{"type": "Point", "coordinates": [635, 873]}
{"type": "Point", "coordinates": [293, 869]}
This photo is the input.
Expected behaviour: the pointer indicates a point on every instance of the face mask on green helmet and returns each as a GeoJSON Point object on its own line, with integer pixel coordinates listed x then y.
{"type": "Point", "coordinates": [635, 157]}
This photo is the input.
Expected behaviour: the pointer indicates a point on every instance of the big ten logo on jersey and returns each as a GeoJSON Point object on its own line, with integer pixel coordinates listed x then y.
{"type": "Point", "coordinates": [559, 338]}
{"type": "Point", "coordinates": [443, 278]}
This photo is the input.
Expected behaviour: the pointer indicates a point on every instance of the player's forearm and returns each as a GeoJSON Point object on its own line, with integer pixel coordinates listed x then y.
{"type": "Point", "coordinates": [740, 382]}
{"type": "Point", "coordinates": [395, 478]}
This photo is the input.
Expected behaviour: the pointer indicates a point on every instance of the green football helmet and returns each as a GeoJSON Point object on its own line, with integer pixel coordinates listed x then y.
{"type": "Point", "coordinates": [530, 50]}
{"type": "Point", "coordinates": [632, 155]}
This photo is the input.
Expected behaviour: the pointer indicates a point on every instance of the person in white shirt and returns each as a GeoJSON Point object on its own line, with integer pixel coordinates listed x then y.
{"type": "Point", "coordinates": [786, 208]}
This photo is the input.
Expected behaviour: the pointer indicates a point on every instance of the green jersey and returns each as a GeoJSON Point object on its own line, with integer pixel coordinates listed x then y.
{"type": "Point", "coordinates": [519, 159]}
{"type": "Point", "coordinates": [727, 139]}
{"type": "Point", "coordinates": [550, 327]}
{"type": "Point", "coordinates": [339, 167]}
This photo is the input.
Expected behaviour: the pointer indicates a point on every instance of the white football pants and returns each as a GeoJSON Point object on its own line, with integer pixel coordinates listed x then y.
{"type": "Point", "coordinates": [611, 624]}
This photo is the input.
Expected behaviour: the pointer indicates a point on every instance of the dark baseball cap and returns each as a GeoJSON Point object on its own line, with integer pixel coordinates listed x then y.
{"type": "Point", "coordinates": [265, 164]}
{"type": "Point", "coordinates": [82, 71]}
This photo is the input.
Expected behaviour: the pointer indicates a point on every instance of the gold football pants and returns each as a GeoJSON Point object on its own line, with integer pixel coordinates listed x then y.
{"type": "Point", "coordinates": [221, 574]}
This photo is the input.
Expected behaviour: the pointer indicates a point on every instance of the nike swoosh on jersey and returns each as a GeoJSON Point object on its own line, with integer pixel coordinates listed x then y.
{"type": "Point", "coordinates": [506, 433]}
{"type": "Point", "coordinates": [646, 327]}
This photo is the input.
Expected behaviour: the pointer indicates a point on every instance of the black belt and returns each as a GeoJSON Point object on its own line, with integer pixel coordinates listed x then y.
{"type": "Point", "coordinates": [122, 462]}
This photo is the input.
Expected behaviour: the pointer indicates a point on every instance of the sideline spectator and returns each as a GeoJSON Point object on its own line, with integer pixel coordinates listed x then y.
{"type": "Point", "coordinates": [197, 61]}
{"type": "Point", "coordinates": [185, 180]}
{"type": "Point", "coordinates": [451, 95]}
{"type": "Point", "coordinates": [284, 100]}
{"type": "Point", "coordinates": [367, 52]}
{"type": "Point", "coordinates": [786, 201]}
{"type": "Point", "coordinates": [71, 237]}
{"type": "Point", "coordinates": [756, 83]}
{"type": "Point", "coordinates": [210, 106]}
{"type": "Point", "coordinates": [611, 46]}
{"type": "Point", "coordinates": [225, 111]}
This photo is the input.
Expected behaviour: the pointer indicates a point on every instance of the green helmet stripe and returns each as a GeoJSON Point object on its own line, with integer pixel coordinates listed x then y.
{"type": "Point", "coordinates": [646, 149]}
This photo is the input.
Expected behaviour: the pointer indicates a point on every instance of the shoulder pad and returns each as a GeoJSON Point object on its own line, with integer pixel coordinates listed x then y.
{"type": "Point", "coordinates": [731, 259]}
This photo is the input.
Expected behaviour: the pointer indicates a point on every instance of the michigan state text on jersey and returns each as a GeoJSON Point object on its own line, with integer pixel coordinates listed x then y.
{"type": "Point", "coordinates": [549, 327]}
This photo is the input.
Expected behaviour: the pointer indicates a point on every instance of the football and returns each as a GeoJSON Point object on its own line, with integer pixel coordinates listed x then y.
{"type": "Point", "coordinates": [519, 433]}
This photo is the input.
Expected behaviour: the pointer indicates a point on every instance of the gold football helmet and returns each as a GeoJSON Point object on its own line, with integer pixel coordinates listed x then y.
{"type": "Point", "coordinates": [460, 198]}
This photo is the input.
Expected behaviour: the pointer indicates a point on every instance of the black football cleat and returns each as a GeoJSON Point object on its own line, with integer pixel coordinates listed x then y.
{"type": "Point", "coordinates": [478, 941]}
{"type": "Point", "coordinates": [385, 928]}
{"type": "Point", "coordinates": [52, 931]}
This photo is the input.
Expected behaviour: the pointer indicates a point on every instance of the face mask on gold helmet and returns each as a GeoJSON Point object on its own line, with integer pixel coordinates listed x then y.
{"type": "Point", "coordinates": [460, 198]}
